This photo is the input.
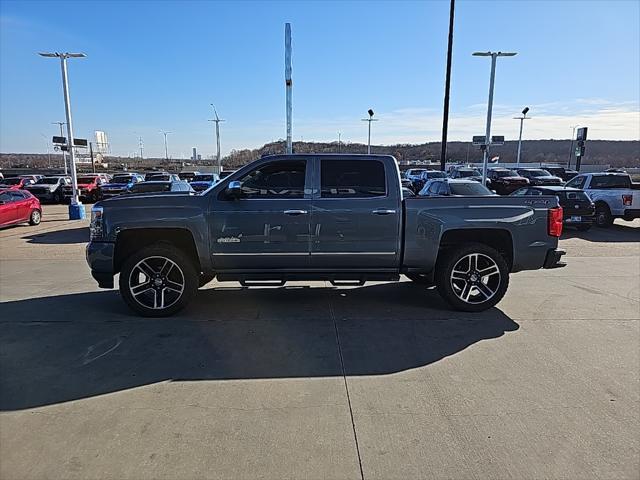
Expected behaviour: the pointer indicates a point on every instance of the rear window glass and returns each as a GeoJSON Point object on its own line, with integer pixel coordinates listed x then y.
{"type": "Point", "coordinates": [150, 187]}
{"type": "Point", "coordinates": [120, 179]}
{"type": "Point", "coordinates": [352, 179]}
{"type": "Point", "coordinates": [580, 196]}
{"type": "Point", "coordinates": [610, 181]}
{"type": "Point", "coordinates": [203, 178]}
{"type": "Point", "coordinates": [435, 174]}
{"type": "Point", "coordinates": [505, 173]}
{"type": "Point", "coordinates": [158, 177]}
{"type": "Point", "coordinates": [48, 181]}
{"type": "Point", "coordinates": [11, 181]}
{"type": "Point", "coordinates": [86, 179]}
{"type": "Point", "coordinates": [469, 173]}
{"type": "Point", "coordinates": [468, 189]}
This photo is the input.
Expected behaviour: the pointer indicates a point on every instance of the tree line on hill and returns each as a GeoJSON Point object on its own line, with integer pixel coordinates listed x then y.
{"type": "Point", "coordinates": [622, 153]}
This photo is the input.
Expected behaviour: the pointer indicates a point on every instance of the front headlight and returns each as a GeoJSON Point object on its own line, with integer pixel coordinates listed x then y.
{"type": "Point", "coordinates": [95, 228]}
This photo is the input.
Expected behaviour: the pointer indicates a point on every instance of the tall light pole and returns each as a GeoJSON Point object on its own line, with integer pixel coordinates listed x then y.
{"type": "Point", "coordinates": [573, 136]}
{"type": "Point", "coordinates": [370, 119]}
{"type": "Point", "coordinates": [217, 121]}
{"type": "Point", "coordinates": [64, 154]}
{"type": "Point", "coordinates": [487, 139]}
{"type": "Point", "coordinates": [166, 150]}
{"type": "Point", "coordinates": [288, 82]}
{"type": "Point", "coordinates": [522, 119]}
{"type": "Point", "coordinates": [76, 210]}
{"type": "Point", "coordinates": [447, 88]}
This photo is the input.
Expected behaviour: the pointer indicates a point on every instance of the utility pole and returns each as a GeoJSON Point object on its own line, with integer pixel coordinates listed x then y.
{"type": "Point", "coordinates": [494, 56]}
{"type": "Point", "coordinates": [445, 116]}
{"type": "Point", "coordinates": [217, 121]}
{"type": "Point", "coordinates": [141, 147]}
{"type": "Point", "coordinates": [522, 119]}
{"type": "Point", "coordinates": [288, 82]}
{"type": "Point", "coordinates": [573, 136]}
{"type": "Point", "coordinates": [166, 150]}
{"type": "Point", "coordinates": [339, 135]}
{"type": "Point", "coordinates": [76, 210]}
{"type": "Point", "coordinates": [64, 154]}
{"type": "Point", "coordinates": [370, 119]}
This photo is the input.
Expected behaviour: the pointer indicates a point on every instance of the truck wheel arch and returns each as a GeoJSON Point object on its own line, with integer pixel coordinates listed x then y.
{"type": "Point", "coordinates": [496, 238]}
{"type": "Point", "coordinates": [132, 240]}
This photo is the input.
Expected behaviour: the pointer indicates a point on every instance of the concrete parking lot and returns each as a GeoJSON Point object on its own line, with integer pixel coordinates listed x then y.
{"type": "Point", "coordinates": [313, 381]}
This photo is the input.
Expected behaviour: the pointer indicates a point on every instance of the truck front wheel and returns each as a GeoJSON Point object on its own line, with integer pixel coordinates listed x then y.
{"type": "Point", "coordinates": [472, 277]}
{"type": "Point", "coordinates": [158, 280]}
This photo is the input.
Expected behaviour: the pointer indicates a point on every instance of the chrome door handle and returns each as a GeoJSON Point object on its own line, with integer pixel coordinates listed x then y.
{"type": "Point", "coordinates": [295, 212]}
{"type": "Point", "coordinates": [383, 211]}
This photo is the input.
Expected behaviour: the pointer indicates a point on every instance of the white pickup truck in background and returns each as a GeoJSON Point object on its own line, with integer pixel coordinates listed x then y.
{"type": "Point", "coordinates": [614, 195]}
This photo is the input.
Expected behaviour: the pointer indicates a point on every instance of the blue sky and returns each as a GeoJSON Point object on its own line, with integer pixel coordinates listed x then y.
{"type": "Point", "coordinates": [156, 65]}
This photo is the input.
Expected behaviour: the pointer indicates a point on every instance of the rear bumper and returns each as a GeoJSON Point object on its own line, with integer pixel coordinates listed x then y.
{"type": "Point", "coordinates": [99, 257]}
{"type": "Point", "coordinates": [631, 213]}
{"type": "Point", "coordinates": [553, 259]}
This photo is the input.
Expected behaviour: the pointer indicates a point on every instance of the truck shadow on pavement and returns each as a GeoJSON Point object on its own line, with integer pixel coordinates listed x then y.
{"type": "Point", "coordinates": [69, 347]}
{"type": "Point", "coordinates": [616, 233]}
{"type": "Point", "coordinates": [58, 237]}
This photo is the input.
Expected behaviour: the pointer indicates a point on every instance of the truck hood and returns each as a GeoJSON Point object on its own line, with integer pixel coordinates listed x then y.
{"type": "Point", "coordinates": [151, 200]}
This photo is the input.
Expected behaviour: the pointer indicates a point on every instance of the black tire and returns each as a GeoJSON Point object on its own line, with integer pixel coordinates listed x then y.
{"type": "Point", "coordinates": [583, 228]}
{"type": "Point", "coordinates": [155, 256]}
{"type": "Point", "coordinates": [452, 289]}
{"type": "Point", "coordinates": [57, 197]}
{"type": "Point", "coordinates": [604, 219]}
{"type": "Point", "coordinates": [204, 279]}
{"type": "Point", "coordinates": [420, 278]}
{"type": "Point", "coordinates": [36, 217]}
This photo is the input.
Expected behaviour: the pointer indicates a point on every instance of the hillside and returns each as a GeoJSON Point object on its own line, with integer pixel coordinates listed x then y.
{"type": "Point", "coordinates": [614, 153]}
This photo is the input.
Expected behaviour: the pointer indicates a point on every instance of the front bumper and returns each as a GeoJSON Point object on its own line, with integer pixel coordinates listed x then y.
{"type": "Point", "coordinates": [43, 195]}
{"type": "Point", "coordinates": [99, 257]}
{"type": "Point", "coordinates": [553, 259]}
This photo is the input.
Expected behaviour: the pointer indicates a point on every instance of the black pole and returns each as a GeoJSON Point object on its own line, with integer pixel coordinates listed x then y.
{"type": "Point", "coordinates": [93, 165]}
{"type": "Point", "coordinates": [447, 87]}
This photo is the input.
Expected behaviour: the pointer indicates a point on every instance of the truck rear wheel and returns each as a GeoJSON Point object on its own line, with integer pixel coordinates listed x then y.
{"type": "Point", "coordinates": [603, 215]}
{"type": "Point", "coordinates": [472, 277]}
{"type": "Point", "coordinates": [158, 281]}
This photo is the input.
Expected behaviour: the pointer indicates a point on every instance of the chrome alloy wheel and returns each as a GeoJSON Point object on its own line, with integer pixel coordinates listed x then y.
{"type": "Point", "coordinates": [475, 278]}
{"type": "Point", "coordinates": [156, 282]}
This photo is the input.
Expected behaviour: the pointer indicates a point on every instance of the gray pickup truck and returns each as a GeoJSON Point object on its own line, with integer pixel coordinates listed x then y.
{"type": "Point", "coordinates": [339, 218]}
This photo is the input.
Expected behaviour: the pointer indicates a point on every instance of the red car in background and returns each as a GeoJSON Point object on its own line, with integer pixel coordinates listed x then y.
{"type": "Point", "coordinates": [15, 183]}
{"type": "Point", "coordinates": [19, 206]}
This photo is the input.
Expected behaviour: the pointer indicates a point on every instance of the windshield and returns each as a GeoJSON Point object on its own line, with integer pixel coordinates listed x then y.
{"type": "Point", "coordinates": [203, 178]}
{"type": "Point", "coordinates": [469, 189]}
{"type": "Point", "coordinates": [121, 179]}
{"type": "Point", "coordinates": [150, 187]}
{"type": "Point", "coordinates": [187, 175]}
{"type": "Point", "coordinates": [469, 173]}
{"type": "Point", "coordinates": [86, 179]}
{"type": "Point", "coordinates": [47, 181]}
{"type": "Point", "coordinates": [416, 171]}
{"type": "Point", "coordinates": [11, 181]}
{"type": "Point", "coordinates": [505, 173]}
{"type": "Point", "coordinates": [539, 173]}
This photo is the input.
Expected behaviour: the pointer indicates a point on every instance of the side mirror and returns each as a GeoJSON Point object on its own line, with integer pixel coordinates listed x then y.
{"type": "Point", "coordinates": [234, 189]}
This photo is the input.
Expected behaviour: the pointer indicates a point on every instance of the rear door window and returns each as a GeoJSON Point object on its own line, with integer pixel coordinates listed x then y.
{"type": "Point", "coordinates": [610, 181]}
{"type": "Point", "coordinates": [352, 179]}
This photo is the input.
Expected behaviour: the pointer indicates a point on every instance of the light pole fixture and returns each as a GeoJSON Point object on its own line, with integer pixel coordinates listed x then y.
{"type": "Point", "coordinates": [76, 210]}
{"type": "Point", "coordinates": [166, 150]}
{"type": "Point", "coordinates": [522, 119]}
{"type": "Point", "coordinates": [217, 120]}
{"type": "Point", "coordinates": [494, 56]}
{"type": "Point", "coordinates": [370, 119]}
